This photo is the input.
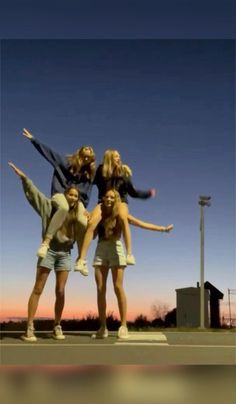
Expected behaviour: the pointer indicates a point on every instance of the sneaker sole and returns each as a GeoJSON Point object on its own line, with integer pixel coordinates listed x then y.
{"type": "Point", "coordinates": [28, 339]}
{"type": "Point", "coordinates": [58, 338]}
{"type": "Point", "coordinates": [100, 336]}
{"type": "Point", "coordinates": [128, 262]}
{"type": "Point", "coordinates": [82, 273]}
{"type": "Point", "coordinates": [94, 336]}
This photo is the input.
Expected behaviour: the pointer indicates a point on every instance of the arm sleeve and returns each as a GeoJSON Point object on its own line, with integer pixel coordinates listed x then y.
{"type": "Point", "coordinates": [95, 180]}
{"type": "Point", "coordinates": [50, 155]}
{"type": "Point", "coordinates": [40, 203]}
{"type": "Point", "coordinates": [135, 193]}
{"type": "Point", "coordinates": [97, 176]}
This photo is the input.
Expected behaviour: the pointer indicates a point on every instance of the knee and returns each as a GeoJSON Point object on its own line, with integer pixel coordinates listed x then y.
{"type": "Point", "coordinates": [60, 203]}
{"type": "Point", "coordinates": [37, 290]}
{"type": "Point", "coordinates": [63, 208]}
{"type": "Point", "coordinates": [101, 289]}
{"type": "Point", "coordinates": [118, 288]}
{"type": "Point", "coordinates": [60, 292]}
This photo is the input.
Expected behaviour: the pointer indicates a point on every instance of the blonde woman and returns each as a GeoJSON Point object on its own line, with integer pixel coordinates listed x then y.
{"type": "Point", "coordinates": [110, 254]}
{"type": "Point", "coordinates": [58, 256]}
{"type": "Point", "coordinates": [113, 174]}
{"type": "Point", "coordinates": [77, 169]}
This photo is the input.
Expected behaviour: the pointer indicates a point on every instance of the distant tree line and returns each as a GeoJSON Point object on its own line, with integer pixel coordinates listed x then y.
{"type": "Point", "coordinates": [91, 323]}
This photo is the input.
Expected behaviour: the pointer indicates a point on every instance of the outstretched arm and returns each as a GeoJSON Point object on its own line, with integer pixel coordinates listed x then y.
{"type": "Point", "coordinates": [50, 155]}
{"type": "Point", "coordinates": [135, 193]}
{"type": "Point", "coordinates": [149, 226]}
{"type": "Point", "coordinates": [40, 203]}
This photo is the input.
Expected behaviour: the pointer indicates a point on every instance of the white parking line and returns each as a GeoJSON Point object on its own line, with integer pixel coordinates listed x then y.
{"type": "Point", "coordinates": [138, 336]}
{"type": "Point", "coordinates": [36, 344]}
{"type": "Point", "coordinates": [118, 343]}
{"type": "Point", "coordinates": [142, 343]}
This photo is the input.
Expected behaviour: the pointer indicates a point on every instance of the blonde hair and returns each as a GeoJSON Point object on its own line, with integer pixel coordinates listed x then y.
{"type": "Point", "coordinates": [111, 222]}
{"type": "Point", "coordinates": [69, 227]}
{"type": "Point", "coordinates": [76, 162]}
{"type": "Point", "coordinates": [109, 169]}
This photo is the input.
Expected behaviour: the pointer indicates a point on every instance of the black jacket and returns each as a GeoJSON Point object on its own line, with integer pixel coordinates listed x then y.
{"type": "Point", "coordinates": [122, 184]}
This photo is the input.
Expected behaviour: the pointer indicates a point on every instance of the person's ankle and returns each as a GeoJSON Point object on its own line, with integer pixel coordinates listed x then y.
{"type": "Point", "coordinates": [47, 239]}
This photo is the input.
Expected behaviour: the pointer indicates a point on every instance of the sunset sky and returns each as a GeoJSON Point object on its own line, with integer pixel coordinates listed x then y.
{"type": "Point", "coordinates": [168, 107]}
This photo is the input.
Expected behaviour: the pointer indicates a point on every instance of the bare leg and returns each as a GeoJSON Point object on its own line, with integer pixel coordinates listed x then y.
{"type": "Point", "coordinates": [101, 273]}
{"type": "Point", "coordinates": [88, 237]}
{"type": "Point", "coordinates": [61, 279]}
{"type": "Point", "coordinates": [123, 215]}
{"type": "Point", "coordinates": [41, 278]}
{"type": "Point", "coordinates": [117, 277]}
{"type": "Point", "coordinates": [82, 223]}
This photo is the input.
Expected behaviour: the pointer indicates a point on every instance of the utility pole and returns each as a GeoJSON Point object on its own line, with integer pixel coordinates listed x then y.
{"type": "Point", "coordinates": [203, 201]}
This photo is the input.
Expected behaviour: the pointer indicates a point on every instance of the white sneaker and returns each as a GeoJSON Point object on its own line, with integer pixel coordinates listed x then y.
{"type": "Point", "coordinates": [130, 260]}
{"type": "Point", "coordinates": [81, 266]}
{"type": "Point", "coordinates": [57, 332]}
{"type": "Point", "coordinates": [29, 335]}
{"type": "Point", "coordinates": [123, 332]}
{"type": "Point", "coordinates": [100, 334]}
{"type": "Point", "coordinates": [42, 251]}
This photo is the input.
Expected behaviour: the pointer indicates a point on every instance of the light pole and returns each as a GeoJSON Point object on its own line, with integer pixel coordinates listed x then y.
{"type": "Point", "coordinates": [203, 201]}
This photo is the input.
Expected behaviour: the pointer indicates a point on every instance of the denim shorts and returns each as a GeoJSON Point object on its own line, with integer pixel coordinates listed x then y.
{"type": "Point", "coordinates": [57, 260]}
{"type": "Point", "coordinates": [109, 253]}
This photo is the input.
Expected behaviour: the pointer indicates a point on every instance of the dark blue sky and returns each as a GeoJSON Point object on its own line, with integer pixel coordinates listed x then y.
{"type": "Point", "coordinates": [168, 107]}
{"type": "Point", "coordinates": [117, 19]}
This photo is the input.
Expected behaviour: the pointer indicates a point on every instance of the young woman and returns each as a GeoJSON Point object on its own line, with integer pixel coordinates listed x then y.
{"type": "Point", "coordinates": [77, 169]}
{"type": "Point", "coordinates": [110, 254]}
{"type": "Point", "coordinates": [113, 174]}
{"type": "Point", "coordinates": [58, 256]}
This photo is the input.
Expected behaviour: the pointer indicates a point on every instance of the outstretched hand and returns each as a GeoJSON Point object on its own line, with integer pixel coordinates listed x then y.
{"type": "Point", "coordinates": [169, 227]}
{"type": "Point", "coordinates": [153, 192]}
{"type": "Point", "coordinates": [27, 134]}
{"type": "Point", "coordinates": [17, 170]}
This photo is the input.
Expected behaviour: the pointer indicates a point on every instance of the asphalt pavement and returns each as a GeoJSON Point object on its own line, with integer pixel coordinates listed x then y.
{"type": "Point", "coordinates": [142, 348]}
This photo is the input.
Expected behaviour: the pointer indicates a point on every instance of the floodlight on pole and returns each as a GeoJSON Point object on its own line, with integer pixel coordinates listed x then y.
{"type": "Point", "coordinates": [203, 201]}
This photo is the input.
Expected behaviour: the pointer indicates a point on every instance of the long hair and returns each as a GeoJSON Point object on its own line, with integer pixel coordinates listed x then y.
{"type": "Point", "coordinates": [110, 222]}
{"type": "Point", "coordinates": [69, 227]}
{"type": "Point", "coordinates": [110, 169]}
{"type": "Point", "coordinates": [77, 165]}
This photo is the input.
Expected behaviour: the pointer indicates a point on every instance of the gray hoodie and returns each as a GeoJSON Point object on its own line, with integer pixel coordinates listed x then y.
{"type": "Point", "coordinates": [43, 206]}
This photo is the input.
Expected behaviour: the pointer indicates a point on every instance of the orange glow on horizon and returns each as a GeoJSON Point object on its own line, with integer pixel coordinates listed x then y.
{"type": "Point", "coordinates": [21, 313]}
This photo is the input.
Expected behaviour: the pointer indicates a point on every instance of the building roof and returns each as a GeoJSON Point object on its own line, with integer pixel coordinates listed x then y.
{"type": "Point", "coordinates": [214, 292]}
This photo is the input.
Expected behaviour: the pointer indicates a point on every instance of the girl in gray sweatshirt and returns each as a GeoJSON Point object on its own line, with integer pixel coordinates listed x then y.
{"type": "Point", "coordinates": [58, 257]}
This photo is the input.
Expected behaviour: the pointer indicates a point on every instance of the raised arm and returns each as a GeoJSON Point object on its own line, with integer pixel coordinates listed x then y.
{"type": "Point", "coordinates": [40, 203]}
{"type": "Point", "coordinates": [149, 226]}
{"type": "Point", "coordinates": [50, 155]}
